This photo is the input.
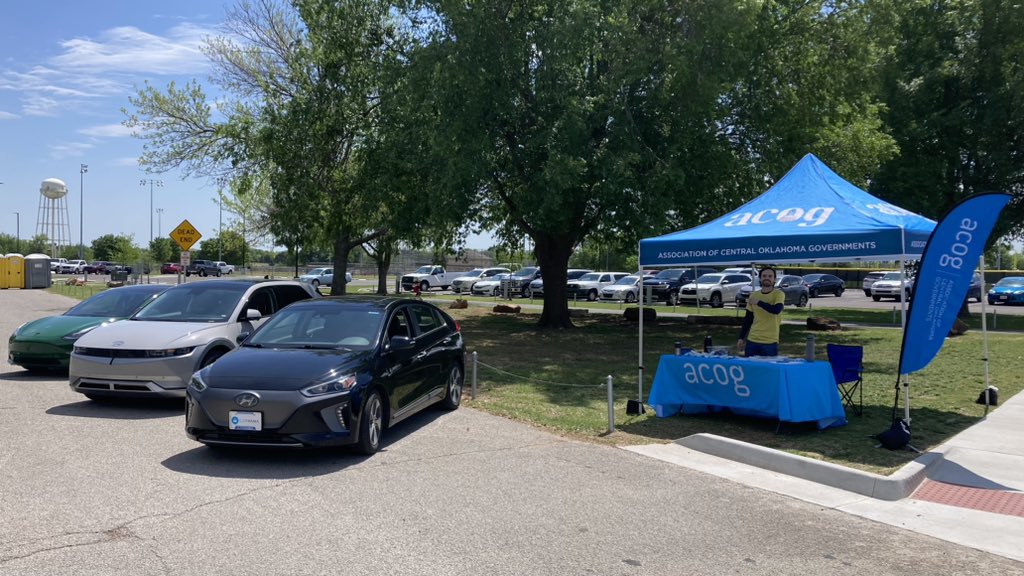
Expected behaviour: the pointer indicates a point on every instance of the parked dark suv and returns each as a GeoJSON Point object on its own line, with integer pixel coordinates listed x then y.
{"type": "Point", "coordinates": [202, 268]}
{"type": "Point", "coordinates": [665, 284]}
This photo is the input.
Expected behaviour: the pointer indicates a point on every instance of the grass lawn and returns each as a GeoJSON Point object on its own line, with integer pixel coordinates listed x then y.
{"type": "Point", "coordinates": [554, 380]}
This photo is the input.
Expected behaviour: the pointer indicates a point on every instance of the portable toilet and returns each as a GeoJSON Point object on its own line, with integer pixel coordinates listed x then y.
{"type": "Point", "coordinates": [3, 271]}
{"type": "Point", "coordinates": [37, 271]}
{"type": "Point", "coordinates": [15, 271]}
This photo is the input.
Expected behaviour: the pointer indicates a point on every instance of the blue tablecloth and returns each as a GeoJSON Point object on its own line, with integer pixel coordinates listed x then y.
{"type": "Point", "coordinates": [788, 390]}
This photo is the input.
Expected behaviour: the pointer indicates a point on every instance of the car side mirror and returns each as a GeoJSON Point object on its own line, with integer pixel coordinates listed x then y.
{"type": "Point", "coordinates": [241, 337]}
{"type": "Point", "coordinates": [784, 285]}
{"type": "Point", "coordinates": [400, 343]}
{"type": "Point", "coordinates": [252, 314]}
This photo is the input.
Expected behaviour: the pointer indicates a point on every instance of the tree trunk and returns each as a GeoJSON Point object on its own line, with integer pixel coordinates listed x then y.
{"type": "Point", "coordinates": [342, 247]}
{"type": "Point", "coordinates": [553, 254]}
{"type": "Point", "coordinates": [964, 312]}
{"type": "Point", "coordinates": [383, 265]}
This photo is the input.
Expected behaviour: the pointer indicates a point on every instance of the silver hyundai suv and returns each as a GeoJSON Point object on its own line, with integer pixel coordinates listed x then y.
{"type": "Point", "coordinates": [155, 352]}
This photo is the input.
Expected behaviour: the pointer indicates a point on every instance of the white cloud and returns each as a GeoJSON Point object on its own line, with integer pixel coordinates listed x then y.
{"type": "Point", "coordinates": [127, 49]}
{"type": "Point", "coordinates": [126, 161]}
{"type": "Point", "coordinates": [69, 150]}
{"type": "Point", "coordinates": [7, 115]}
{"type": "Point", "coordinates": [39, 106]}
{"type": "Point", "coordinates": [106, 131]}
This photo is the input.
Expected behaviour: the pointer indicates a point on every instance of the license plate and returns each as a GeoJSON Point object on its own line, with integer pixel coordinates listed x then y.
{"type": "Point", "coordinates": [1004, 297]}
{"type": "Point", "coordinates": [245, 421]}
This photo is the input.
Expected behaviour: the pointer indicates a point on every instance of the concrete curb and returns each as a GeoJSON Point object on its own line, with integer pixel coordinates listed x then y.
{"type": "Point", "coordinates": [895, 487]}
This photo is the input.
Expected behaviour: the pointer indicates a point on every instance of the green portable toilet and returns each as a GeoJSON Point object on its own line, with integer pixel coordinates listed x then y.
{"type": "Point", "coordinates": [37, 271]}
{"type": "Point", "coordinates": [15, 271]}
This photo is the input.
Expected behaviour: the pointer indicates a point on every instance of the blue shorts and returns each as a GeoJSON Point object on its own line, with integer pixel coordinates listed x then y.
{"type": "Point", "coordinates": [755, 349]}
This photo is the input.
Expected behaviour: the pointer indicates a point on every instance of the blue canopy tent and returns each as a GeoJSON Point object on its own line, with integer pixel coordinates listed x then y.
{"type": "Point", "coordinates": [810, 214]}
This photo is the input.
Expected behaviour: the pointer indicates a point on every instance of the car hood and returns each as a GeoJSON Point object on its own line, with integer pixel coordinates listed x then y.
{"type": "Point", "coordinates": [249, 368]}
{"type": "Point", "coordinates": [889, 283]}
{"type": "Point", "coordinates": [1006, 289]}
{"type": "Point", "coordinates": [146, 335]}
{"type": "Point", "coordinates": [464, 278]}
{"type": "Point", "coordinates": [56, 327]}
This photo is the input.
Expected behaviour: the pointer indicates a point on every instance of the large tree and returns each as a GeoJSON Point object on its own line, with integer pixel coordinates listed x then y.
{"type": "Point", "coordinates": [954, 89]}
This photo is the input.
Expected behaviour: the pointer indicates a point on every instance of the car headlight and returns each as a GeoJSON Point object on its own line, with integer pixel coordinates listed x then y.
{"type": "Point", "coordinates": [169, 352]}
{"type": "Point", "coordinates": [78, 334]}
{"type": "Point", "coordinates": [1019, 292]}
{"type": "Point", "coordinates": [197, 383]}
{"type": "Point", "coordinates": [331, 385]}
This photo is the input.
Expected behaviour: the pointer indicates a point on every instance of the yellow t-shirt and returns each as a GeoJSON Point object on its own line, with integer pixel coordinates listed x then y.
{"type": "Point", "coordinates": [765, 329]}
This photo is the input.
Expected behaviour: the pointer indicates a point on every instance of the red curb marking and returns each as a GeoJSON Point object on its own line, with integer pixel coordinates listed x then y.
{"type": "Point", "coordinates": [997, 501]}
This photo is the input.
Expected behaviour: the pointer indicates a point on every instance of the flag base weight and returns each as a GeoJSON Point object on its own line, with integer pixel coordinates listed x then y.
{"type": "Point", "coordinates": [635, 407]}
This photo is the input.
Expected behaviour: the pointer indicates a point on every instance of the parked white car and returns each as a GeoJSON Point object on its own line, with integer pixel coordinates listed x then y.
{"type": "Point", "coordinates": [465, 283]}
{"type": "Point", "coordinates": [626, 289]}
{"type": "Point", "coordinates": [225, 268]}
{"type": "Point", "coordinates": [893, 285]}
{"type": "Point", "coordinates": [73, 267]}
{"type": "Point", "coordinates": [589, 286]}
{"type": "Point", "coordinates": [490, 286]}
{"type": "Point", "coordinates": [714, 289]}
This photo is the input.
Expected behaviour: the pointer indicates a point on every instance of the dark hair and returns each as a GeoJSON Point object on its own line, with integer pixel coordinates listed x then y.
{"type": "Point", "coordinates": [774, 271]}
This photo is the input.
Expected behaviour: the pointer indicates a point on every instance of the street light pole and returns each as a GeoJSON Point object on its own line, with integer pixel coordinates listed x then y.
{"type": "Point", "coordinates": [82, 169]}
{"type": "Point", "coordinates": [159, 220]}
{"type": "Point", "coordinates": [220, 226]}
{"type": "Point", "coordinates": [159, 184]}
{"type": "Point", "coordinates": [17, 244]}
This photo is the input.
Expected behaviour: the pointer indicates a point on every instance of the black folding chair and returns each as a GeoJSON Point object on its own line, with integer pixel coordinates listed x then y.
{"type": "Point", "coordinates": [848, 367]}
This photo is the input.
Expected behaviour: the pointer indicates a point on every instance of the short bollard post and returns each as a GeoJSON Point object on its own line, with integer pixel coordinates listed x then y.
{"type": "Point", "coordinates": [611, 407]}
{"type": "Point", "coordinates": [472, 393]}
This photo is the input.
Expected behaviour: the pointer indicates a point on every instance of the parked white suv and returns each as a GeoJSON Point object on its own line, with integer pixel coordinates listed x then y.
{"type": "Point", "coordinates": [72, 267]}
{"type": "Point", "coordinates": [589, 285]}
{"type": "Point", "coordinates": [714, 289]}
{"type": "Point", "coordinates": [893, 285]}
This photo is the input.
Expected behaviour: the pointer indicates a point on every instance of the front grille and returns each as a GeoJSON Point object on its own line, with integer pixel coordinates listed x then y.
{"type": "Point", "coordinates": [110, 352]}
{"type": "Point", "coordinates": [688, 292]}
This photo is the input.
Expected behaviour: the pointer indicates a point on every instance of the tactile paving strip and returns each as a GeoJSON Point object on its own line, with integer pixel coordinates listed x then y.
{"type": "Point", "coordinates": [997, 501]}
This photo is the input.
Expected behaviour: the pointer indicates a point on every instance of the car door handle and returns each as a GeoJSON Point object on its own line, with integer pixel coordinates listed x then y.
{"type": "Point", "coordinates": [420, 356]}
{"type": "Point", "coordinates": [447, 340]}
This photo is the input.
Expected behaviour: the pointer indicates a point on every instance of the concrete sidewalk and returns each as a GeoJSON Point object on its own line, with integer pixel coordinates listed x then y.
{"type": "Point", "coordinates": [969, 490]}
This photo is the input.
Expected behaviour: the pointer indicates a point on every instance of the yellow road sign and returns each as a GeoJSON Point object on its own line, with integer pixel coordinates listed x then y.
{"type": "Point", "coordinates": [185, 235]}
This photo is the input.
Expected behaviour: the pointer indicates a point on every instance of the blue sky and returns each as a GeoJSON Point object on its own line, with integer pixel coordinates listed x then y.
{"type": "Point", "coordinates": [66, 70]}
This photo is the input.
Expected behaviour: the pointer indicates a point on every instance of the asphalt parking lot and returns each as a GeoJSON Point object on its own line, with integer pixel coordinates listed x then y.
{"type": "Point", "coordinates": [92, 488]}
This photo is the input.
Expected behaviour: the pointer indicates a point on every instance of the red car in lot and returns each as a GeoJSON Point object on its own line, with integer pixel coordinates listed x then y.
{"type": "Point", "coordinates": [170, 268]}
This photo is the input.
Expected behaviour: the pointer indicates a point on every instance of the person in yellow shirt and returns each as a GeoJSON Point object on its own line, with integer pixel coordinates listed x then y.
{"type": "Point", "coordinates": [760, 333]}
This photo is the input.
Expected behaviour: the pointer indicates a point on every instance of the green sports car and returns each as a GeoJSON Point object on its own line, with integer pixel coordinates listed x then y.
{"type": "Point", "coordinates": [46, 343]}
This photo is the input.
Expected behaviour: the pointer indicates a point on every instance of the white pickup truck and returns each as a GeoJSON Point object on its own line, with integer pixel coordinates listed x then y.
{"type": "Point", "coordinates": [427, 277]}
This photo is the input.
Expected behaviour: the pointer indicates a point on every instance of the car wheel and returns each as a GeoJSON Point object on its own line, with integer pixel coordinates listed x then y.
{"type": "Point", "coordinates": [453, 397]}
{"type": "Point", "coordinates": [802, 301]}
{"type": "Point", "coordinates": [371, 424]}
{"type": "Point", "coordinates": [202, 272]}
{"type": "Point", "coordinates": [876, 298]}
{"type": "Point", "coordinates": [839, 291]}
{"type": "Point", "coordinates": [630, 298]}
{"type": "Point", "coordinates": [527, 293]}
{"type": "Point", "coordinates": [217, 274]}
{"type": "Point", "coordinates": [315, 283]}
{"type": "Point", "coordinates": [592, 295]}
{"type": "Point", "coordinates": [496, 291]}
{"type": "Point", "coordinates": [814, 293]}
{"type": "Point", "coordinates": [906, 295]}
{"type": "Point", "coordinates": [716, 300]}
{"type": "Point", "coordinates": [424, 286]}
{"type": "Point", "coordinates": [867, 292]}
{"type": "Point", "coordinates": [212, 357]}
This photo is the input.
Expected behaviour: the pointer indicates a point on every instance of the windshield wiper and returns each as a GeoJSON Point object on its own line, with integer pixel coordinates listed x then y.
{"type": "Point", "coordinates": [253, 345]}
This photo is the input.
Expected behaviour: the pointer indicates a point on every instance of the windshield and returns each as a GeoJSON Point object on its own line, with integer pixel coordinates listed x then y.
{"type": "Point", "coordinates": [331, 327]}
{"type": "Point", "coordinates": [671, 273]}
{"type": "Point", "coordinates": [316, 272]}
{"type": "Point", "coordinates": [592, 277]}
{"type": "Point", "coordinates": [112, 303]}
{"type": "Point", "coordinates": [710, 279]}
{"type": "Point", "coordinates": [812, 277]}
{"type": "Point", "coordinates": [627, 280]}
{"type": "Point", "coordinates": [199, 302]}
{"type": "Point", "coordinates": [1014, 281]}
{"type": "Point", "coordinates": [525, 272]}
{"type": "Point", "coordinates": [575, 274]}
{"type": "Point", "coordinates": [892, 276]}
{"type": "Point", "coordinates": [474, 273]}
{"type": "Point", "coordinates": [424, 270]}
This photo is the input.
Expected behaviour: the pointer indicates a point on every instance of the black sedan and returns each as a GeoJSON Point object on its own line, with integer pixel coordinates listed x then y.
{"type": "Point", "coordinates": [818, 284]}
{"type": "Point", "coordinates": [329, 372]}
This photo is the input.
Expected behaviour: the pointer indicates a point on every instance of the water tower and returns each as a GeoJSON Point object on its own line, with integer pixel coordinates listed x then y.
{"type": "Point", "coordinates": [52, 220]}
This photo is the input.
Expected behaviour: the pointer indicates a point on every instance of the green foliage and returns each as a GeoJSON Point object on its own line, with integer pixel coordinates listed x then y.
{"type": "Point", "coordinates": [115, 248]}
{"type": "Point", "coordinates": [164, 250]}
